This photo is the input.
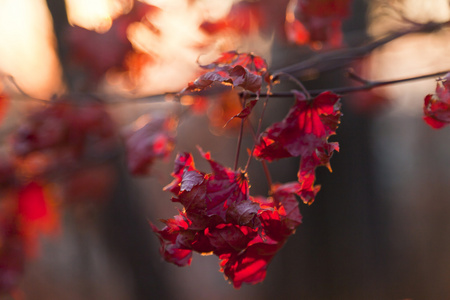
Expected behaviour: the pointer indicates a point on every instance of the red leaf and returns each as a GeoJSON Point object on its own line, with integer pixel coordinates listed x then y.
{"type": "Point", "coordinates": [170, 250]}
{"type": "Point", "coordinates": [220, 217]}
{"type": "Point", "coordinates": [4, 102]}
{"type": "Point", "coordinates": [316, 21]}
{"type": "Point", "coordinates": [183, 162]}
{"type": "Point", "coordinates": [236, 76]}
{"type": "Point", "coordinates": [224, 187]}
{"type": "Point", "coordinates": [304, 132]}
{"type": "Point", "coordinates": [245, 112]}
{"type": "Point", "coordinates": [249, 266]}
{"type": "Point", "coordinates": [227, 238]}
{"type": "Point", "coordinates": [36, 214]}
{"type": "Point", "coordinates": [62, 133]}
{"type": "Point", "coordinates": [436, 107]}
{"type": "Point", "coordinates": [279, 216]}
{"type": "Point", "coordinates": [253, 63]}
{"type": "Point", "coordinates": [232, 68]}
{"type": "Point", "coordinates": [154, 140]}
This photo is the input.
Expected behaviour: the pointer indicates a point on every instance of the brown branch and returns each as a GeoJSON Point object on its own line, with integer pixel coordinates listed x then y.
{"type": "Point", "coordinates": [339, 58]}
{"type": "Point", "coordinates": [368, 85]}
{"type": "Point", "coordinates": [351, 89]}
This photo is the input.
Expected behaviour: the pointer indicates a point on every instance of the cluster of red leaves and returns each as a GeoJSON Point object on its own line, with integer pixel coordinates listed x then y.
{"type": "Point", "coordinates": [244, 70]}
{"type": "Point", "coordinates": [154, 140]}
{"type": "Point", "coordinates": [232, 68]}
{"type": "Point", "coordinates": [62, 134]}
{"type": "Point", "coordinates": [436, 107]}
{"type": "Point", "coordinates": [316, 22]}
{"type": "Point", "coordinates": [70, 140]}
{"type": "Point", "coordinates": [220, 217]}
{"type": "Point", "coordinates": [51, 141]}
{"type": "Point", "coordinates": [304, 132]}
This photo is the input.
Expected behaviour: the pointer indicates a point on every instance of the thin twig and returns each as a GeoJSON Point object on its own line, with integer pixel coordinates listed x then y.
{"type": "Point", "coordinates": [264, 164]}
{"type": "Point", "coordinates": [351, 89]}
{"type": "Point", "coordinates": [293, 79]}
{"type": "Point", "coordinates": [146, 99]}
{"type": "Point", "coordinates": [336, 59]}
{"type": "Point", "coordinates": [258, 130]}
{"type": "Point", "coordinates": [241, 133]}
{"type": "Point", "coordinates": [14, 82]}
{"type": "Point", "coordinates": [267, 173]}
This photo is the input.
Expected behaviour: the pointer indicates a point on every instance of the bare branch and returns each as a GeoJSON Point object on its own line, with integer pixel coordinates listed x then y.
{"type": "Point", "coordinates": [340, 58]}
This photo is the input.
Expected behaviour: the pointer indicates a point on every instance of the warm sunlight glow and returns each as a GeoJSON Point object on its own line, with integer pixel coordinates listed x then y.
{"type": "Point", "coordinates": [173, 37]}
{"type": "Point", "coordinates": [410, 55]}
{"type": "Point", "coordinates": [26, 50]}
{"type": "Point", "coordinates": [96, 14]}
{"type": "Point", "coordinates": [175, 40]}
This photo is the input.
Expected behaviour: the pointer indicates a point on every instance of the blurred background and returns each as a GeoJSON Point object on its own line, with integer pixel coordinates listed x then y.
{"type": "Point", "coordinates": [379, 228]}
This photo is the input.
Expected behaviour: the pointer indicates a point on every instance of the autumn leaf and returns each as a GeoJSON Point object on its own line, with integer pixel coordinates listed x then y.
{"type": "Point", "coordinates": [154, 140]}
{"type": "Point", "coordinates": [316, 22]}
{"type": "Point", "coordinates": [436, 107]}
{"type": "Point", "coordinates": [236, 76]}
{"type": "Point", "coordinates": [245, 112]}
{"type": "Point", "coordinates": [206, 199]}
{"type": "Point", "coordinates": [304, 132]}
{"type": "Point", "coordinates": [279, 216]}
{"type": "Point", "coordinates": [244, 70]}
{"type": "Point", "coordinates": [4, 103]}
{"type": "Point", "coordinates": [219, 216]}
{"type": "Point", "coordinates": [62, 133]}
{"type": "Point", "coordinates": [37, 214]}
{"type": "Point", "coordinates": [253, 63]}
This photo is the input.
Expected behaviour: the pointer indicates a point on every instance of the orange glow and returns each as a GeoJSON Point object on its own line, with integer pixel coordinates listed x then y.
{"type": "Point", "coordinates": [175, 41]}
{"type": "Point", "coordinates": [26, 50]}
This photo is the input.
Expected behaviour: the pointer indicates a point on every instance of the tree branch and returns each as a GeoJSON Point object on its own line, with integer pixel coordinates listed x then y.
{"type": "Point", "coordinates": [351, 89]}
{"type": "Point", "coordinates": [339, 58]}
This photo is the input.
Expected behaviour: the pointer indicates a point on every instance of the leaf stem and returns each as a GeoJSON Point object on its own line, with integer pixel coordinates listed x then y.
{"type": "Point", "coordinates": [241, 133]}
{"type": "Point", "coordinates": [267, 173]}
{"type": "Point", "coordinates": [263, 162]}
{"type": "Point", "coordinates": [293, 79]}
{"type": "Point", "coordinates": [256, 134]}
{"type": "Point", "coordinates": [16, 85]}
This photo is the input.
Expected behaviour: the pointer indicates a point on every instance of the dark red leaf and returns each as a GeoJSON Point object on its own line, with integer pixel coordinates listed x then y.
{"type": "Point", "coordinates": [304, 132]}
{"type": "Point", "coordinates": [220, 217]}
{"type": "Point", "coordinates": [236, 76]}
{"type": "Point", "coordinates": [155, 140]}
{"type": "Point", "coordinates": [36, 214]}
{"type": "Point", "coordinates": [245, 112]}
{"type": "Point", "coordinates": [279, 216]}
{"type": "Point", "coordinates": [253, 63]}
{"type": "Point", "coordinates": [227, 238]}
{"type": "Point", "coordinates": [63, 133]}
